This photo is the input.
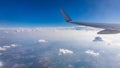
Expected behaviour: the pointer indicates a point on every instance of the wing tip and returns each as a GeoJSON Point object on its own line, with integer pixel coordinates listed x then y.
{"type": "Point", "coordinates": [65, 15]}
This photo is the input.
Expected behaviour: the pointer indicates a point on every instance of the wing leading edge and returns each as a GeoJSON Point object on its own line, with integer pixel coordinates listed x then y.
{"type": "Point", "coordinates": [108, 28]}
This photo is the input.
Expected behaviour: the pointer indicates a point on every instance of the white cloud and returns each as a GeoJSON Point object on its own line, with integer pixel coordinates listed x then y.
{"type": "Point", "coordinates": [1, 64]}
{"type": "Point", "coordinates": [19, 30]}
{"type": "Point", "coordinates": [4, 48]}
{"type": "Point", "coordinates": [70, 66]}
{"type": "Point", "coordinates": [42, 41]}
{"type": "Point", "coordinates": [13, 45]}
{"type": "Point", "coordinates": [65, 51]}
{"type": "Point", "coordinates": [92, 52]}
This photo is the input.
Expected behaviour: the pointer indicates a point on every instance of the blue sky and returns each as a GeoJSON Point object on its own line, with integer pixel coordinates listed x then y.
{"type": "Point", "coordinates": [34, 13]}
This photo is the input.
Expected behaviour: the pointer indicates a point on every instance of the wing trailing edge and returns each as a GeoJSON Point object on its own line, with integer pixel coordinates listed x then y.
{"type": "Point", "coordinates": [106, 31]}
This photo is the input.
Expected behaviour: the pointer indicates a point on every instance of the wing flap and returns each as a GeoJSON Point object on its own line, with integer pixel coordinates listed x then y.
{"type": "Point", "coordinates": [107, 31]}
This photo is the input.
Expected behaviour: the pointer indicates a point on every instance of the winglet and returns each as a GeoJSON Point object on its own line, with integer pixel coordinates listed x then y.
{"type": "Point", "coordinates": [66, 17]}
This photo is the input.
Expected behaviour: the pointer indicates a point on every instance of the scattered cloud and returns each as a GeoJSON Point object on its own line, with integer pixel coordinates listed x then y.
{"type": "Point", "coordinates": [13, 45]}
{"type": "Point", "coordinates": [79, 36]}
{"type": "Point", "coordinates": [4, 48]}
{"type": "Point", "coordinates": [65, 51]}
{"type": "Point", "coordinates": [1, 64]}
{"type": "Point", "coordinates": [70, 66]}
{"type": "Point", "coordinates": [42, 41]}
{"type": "Point", "coordinates": [19, 30]}
{"type": "Point", "coordinates": [92, 52]}
{"type": "Point", "coordinates": [98, 39]}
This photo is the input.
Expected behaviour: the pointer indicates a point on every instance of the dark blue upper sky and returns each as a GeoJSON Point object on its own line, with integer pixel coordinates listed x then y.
{"type": "Point", "coordinates": [31, 13]}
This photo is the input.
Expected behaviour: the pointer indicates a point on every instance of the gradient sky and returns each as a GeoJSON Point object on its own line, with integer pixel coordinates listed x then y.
{"type": "Point", "coordinates": [32, 13]}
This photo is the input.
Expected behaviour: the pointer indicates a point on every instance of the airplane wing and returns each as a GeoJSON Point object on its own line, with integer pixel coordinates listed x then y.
{"type": "Point", "coordinates": [108, 28]}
